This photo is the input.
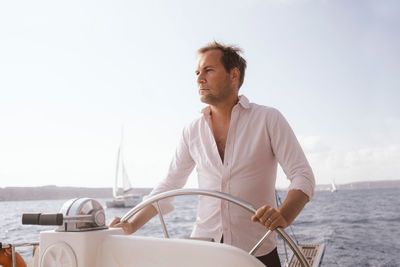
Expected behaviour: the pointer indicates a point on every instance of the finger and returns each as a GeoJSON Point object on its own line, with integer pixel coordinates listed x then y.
{"type": "Point", "coordinates": [270, 221]}
{"type": "Point", "coordinates": [117, 225]}
{"type": "Point", "coordinates": [123, 224]}
{"type": "Point", "coordinates": [7, 251]}
{"type": "Point", "coordinates": [259, 213]}
{"type": "Point", "coordinates": [278, 221]}
{"type": "Point", "coordinates": [275, 224]}
{"type": "Point", "coordinates": [267, 215]}
{"type": "Point", "coordinates": [115, 221]}
{"type": "Point", "coordinates": [254, 218]}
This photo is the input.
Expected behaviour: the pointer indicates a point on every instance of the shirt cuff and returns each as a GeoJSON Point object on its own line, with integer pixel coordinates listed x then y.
{"type": "Point", "coordinates": [303, 184]}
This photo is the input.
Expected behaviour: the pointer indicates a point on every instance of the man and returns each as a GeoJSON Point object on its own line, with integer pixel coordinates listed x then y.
{"type": "Point", "coordinates": [235, 146]}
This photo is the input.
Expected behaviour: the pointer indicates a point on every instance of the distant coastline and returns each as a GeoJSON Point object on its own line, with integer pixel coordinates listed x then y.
{"type": "Point", "coordinates": [50, 192]}
{"type": "Point", "coordinates": [361, 185]}
{"type": "Point", "coordinates": [61, 192]}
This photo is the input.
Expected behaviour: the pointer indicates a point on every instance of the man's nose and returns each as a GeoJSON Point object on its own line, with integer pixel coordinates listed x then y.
{"type": "Point", "coordinates": [201, 79]}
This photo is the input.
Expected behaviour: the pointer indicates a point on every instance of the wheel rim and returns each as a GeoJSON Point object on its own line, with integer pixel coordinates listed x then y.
{"type": "Point", "coordinates": [247, 206]}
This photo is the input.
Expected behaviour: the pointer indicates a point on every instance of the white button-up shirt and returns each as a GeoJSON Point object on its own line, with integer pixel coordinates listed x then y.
{"type": "Point", "coordinates": [258, 139]}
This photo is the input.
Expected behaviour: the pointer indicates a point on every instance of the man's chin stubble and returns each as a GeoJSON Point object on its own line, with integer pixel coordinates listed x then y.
{"type": "Point", "coordinates": [208, 99]}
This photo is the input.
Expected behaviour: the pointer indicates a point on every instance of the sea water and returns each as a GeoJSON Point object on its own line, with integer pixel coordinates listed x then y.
{"type": "Point", "coordinates": [358, 227]}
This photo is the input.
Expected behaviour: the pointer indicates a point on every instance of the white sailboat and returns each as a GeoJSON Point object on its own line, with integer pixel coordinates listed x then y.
{"type": "Point", "coordinates": [333, 186]}
{"type": "Point", "coordinates": [124, 196]}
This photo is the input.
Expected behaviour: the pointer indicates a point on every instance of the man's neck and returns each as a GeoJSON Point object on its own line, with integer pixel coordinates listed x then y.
{"type": "Point", "coordinates": [222, 111]}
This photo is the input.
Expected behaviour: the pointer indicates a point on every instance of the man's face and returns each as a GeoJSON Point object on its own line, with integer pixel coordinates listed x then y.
{"type": "Point", "coordinates": [214, 83]}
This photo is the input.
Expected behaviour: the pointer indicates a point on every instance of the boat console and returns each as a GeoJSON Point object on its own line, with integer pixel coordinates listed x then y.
{"type": "Point", "coordinates": [81, 230]}
{"type": "Point", "coordinates": [82, 239]}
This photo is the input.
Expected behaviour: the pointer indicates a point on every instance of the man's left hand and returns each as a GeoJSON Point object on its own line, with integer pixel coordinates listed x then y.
{"type": "Point", "coordinates": [270, 218]}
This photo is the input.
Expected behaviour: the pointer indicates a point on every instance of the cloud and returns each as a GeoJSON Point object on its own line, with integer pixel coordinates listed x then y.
{"type": "Point", "coordinates": [365, 163]}
{"type": "Point", "coordinates": [376, 162]}
{"type": "Point", "coordinates": [313, 144]}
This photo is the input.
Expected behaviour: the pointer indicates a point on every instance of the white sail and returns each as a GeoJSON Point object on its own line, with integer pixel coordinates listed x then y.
{"type": "Point", "coordinates": [124, 195]}
{"type": "Point", "coordinates": [122, 182]}
{"type": "Point", "coordinates": [333, 188]}
{"type": "Point", "coordinates": [126, 184]}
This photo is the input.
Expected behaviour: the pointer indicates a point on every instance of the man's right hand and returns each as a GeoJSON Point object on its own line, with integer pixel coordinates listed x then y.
{"type": "Point", "coordinates": [137, 221]}
{"type": "Point", "coordinates": [126, 226]}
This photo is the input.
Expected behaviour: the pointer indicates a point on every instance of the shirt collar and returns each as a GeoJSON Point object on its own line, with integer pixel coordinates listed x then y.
{"type": "Point", "coordinates": [243, 101]}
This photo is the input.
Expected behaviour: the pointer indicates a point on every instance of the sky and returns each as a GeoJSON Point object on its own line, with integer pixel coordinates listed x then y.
{"type": "Point", "coordinates": [74, 73]}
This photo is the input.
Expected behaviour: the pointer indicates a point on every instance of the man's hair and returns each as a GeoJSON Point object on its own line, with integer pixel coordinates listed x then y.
{"type": "Point", "coordinates": [230, 57]}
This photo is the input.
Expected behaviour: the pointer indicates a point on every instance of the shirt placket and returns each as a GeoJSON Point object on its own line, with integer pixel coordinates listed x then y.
{"type": "Point", "coordinates": [226, 175]}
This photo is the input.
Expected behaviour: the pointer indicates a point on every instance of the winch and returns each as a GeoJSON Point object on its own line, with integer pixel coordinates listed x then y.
{"type": "Point", "coordinates": [76, 215]}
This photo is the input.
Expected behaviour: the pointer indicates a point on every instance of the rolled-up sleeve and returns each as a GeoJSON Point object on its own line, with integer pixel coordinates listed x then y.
{"type": "Point", "coordinates": [290, 155]}
{"type": "Point", "coordinates": [179, 170]}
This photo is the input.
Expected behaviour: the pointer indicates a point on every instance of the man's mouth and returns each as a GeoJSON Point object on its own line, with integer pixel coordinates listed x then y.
{"type": "Point", "coordinates": [203, 90]}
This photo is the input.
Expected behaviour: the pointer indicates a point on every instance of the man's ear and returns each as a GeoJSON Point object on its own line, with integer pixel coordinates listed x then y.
{"type": "Point", "coordinates": [235, 75]}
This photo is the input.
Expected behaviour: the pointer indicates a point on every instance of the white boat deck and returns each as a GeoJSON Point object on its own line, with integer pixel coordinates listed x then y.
{"type": "Point", "coordinates": [110, 247]}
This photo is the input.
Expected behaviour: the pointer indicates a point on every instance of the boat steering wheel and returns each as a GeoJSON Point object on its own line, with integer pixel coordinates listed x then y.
{"type": "Point", "coordinates": [247, 206]}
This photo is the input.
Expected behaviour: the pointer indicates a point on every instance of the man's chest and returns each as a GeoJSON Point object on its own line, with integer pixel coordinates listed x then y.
{"type": "Point", "coordinates": [242, 144]}
{"type": "Point", "coordinates": [220, 134]}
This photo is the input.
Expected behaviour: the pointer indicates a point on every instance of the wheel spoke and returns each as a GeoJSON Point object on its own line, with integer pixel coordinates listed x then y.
{"type": "Point", "coordinates": [164, 227]}
{"type": "Point", "coordinates": [259, 243]}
